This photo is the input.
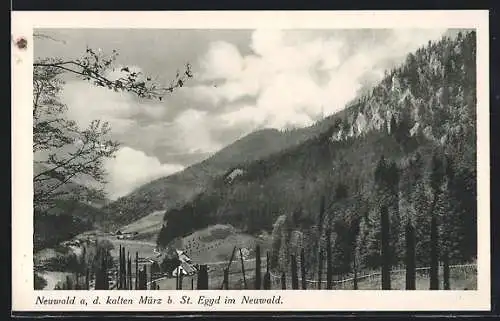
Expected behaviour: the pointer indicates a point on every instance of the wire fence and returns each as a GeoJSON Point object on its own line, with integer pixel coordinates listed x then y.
{"type": "Point", "coordinates": [344, 283]}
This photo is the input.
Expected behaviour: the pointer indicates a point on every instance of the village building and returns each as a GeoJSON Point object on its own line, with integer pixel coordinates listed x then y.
{"type": "Point", "coordinates": [186, 266]}
{"type": "Point", "coordinates": [183, 256]}
{"type": "Point", "coordinates": [185, 269]}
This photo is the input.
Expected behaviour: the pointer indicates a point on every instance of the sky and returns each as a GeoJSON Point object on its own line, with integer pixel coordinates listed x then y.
{"type": "Point", "coordinates": [244, 80]}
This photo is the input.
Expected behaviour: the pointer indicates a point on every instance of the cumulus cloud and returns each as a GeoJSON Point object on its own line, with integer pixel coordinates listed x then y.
{"type": "Point", "coordinates": [86, 103]}
{"type": "Point", "coordinates": [294, 79]}
{"type": "Point", "coordinates": [282, 79]}
{"type": "Point", "coordinates": [222, 61]}
{"type": "Point", "coordinates": [134, 123]}
{"type": "Point", "coordinates": [131, 168]}
{"type": "Point", "coordinates": [193, 131]}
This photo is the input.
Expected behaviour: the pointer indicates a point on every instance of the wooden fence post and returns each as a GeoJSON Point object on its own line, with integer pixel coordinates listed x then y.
{"type": "Point", "coordinates": [140, 279]}
{"type": "Point", "coordinates": [177, 277]}
{"type": "Point", "coordinates": [226, 279]}
{"type": "Point", "coordinates": [136, 283]}
{"type": "Point", "coordinates": [150, 277]}
{"type": "Point", "coordinates": [180, 279]}
{"type": "Point", "coordinates": [87, 279]}
{"type": "Point", "coordinates": [129, 272]}
{"type": "Point", "coordinates": [119, 281]}
{"type": "Point", "coordinates": [202, 278]}
{"type": "Point", "coordinates": [243, 271]}
{"type": "Point", "coordinates": [267, 276]}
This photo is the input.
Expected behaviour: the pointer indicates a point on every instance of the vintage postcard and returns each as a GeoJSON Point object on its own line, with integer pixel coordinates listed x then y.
{"type": "Point", "coordinates": [250, 161]}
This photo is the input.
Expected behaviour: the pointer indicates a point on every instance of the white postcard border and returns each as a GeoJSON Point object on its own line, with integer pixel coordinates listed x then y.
{"type": "Point", "coordinates": [23, 23]}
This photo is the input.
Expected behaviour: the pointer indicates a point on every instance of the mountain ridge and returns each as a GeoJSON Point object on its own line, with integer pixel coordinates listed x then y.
{"type": "Point", "coordinates": [421, 111]}
{"type": "Point", "coordinates": [175, 190]}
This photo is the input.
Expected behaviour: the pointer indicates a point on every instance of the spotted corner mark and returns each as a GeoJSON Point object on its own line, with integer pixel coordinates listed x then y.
{"type": "Point", "coordinates": [21, 43]}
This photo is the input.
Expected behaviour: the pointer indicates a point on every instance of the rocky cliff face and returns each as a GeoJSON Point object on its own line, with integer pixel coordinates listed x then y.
{"type": "Point", "coordinates": [434, 92]}
{"type": "Point", "coordinates": [431, 99]}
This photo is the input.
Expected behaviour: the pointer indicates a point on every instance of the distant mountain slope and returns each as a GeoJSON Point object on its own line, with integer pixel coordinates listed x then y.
{"type": "Point", "coordinates": [66, 220]}
{"type": "Point", "coordinates": [175, 190]}
{"type": "Point", "coordinates": [69, 190]}
{"type": "Point", "coordinates": [76, 210]}
{"type": "Point", "coordinates": [420, 120]}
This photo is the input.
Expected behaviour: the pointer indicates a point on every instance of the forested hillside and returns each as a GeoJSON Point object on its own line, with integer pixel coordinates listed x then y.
{"type": "Point", "coordinates": [63, 222]}
{"type": "Point", "coordinates": [76, 210]}
{"type": "Point", "coordinates": [408, 148]}
{"type": "Point", "coordinates": [176, 190]}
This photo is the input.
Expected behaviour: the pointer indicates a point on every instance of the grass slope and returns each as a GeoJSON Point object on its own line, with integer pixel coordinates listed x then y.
{"type": "Point", "coordinates": [215, 244]}
{"type": "Point", "coordinates": [146, 227]}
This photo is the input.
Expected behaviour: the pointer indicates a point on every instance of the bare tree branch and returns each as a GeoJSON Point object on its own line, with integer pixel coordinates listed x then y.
{"type": "Point", "coordinates": [58, 136]}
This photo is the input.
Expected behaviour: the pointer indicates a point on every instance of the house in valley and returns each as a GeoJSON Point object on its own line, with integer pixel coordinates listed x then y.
{"type": "Point", "coordinates": [185, 269]}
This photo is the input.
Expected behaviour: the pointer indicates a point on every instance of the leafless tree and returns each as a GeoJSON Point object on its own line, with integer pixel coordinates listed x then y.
{"type": "Point", "coordinates": [65, 151]}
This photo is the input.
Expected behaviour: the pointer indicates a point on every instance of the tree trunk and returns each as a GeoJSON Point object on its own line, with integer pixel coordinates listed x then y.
{"type": "Point", "coordinates": [320, 268]}
{"type": "Point", "coordinates": [243, 271]}
{"type": "Point", "coordinates": [329, 268]}
{"type": "Point", "coordinates": [181, 276]}
{"type": "Point", "coordinates": [283, 281]}
{"type": "Point", "coordinates": [434, 279]}
{"type": "Point", "coordinates": [267, 275]}
{"type": "Point", "coordinates": [120, 269]}
{"type": "Point", "coordinates": [410, 257]}
{"type": "Point", "coordinates": [129, 272]}
{"type": "Point", "coordinates": [87, 279]}
{"type": "Point", "coordinates": [303, 269]}
{"type": "Point", "coordinates": [177, 278]}
{"type": "Point", "coordinates": [386, 256]}
{"type": "Point", "coordinates": [295, 278]}
{"type": "Point", "coordinates": [446, 271]}
{"type": "Point", "coordinates": [226, 279]}
{"type": "Point", "coordinates": [355, 268]}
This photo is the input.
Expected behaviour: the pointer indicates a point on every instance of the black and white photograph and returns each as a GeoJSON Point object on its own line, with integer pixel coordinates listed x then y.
{"type": "Point", "coordinates": [255, 159]}
{"type": "Point", "coordinates": [335, 159]}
